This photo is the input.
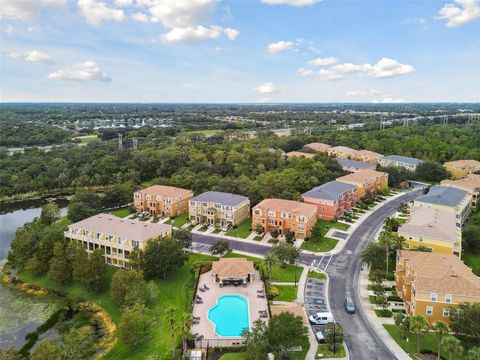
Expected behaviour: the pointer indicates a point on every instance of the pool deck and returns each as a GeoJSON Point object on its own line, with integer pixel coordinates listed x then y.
{"type": "Point", "coordinates": [205, 327]}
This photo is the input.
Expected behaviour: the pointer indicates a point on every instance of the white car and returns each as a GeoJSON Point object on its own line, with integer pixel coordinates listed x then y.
{"type": "Point", "coordinates": [320, 337]}
{"type": "Point", "coordinates": [321, 318]}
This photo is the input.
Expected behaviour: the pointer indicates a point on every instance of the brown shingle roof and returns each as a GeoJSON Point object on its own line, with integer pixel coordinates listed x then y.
{"type": "Point", "coordinates": [295, 309]}
{"type": "Point", "coordinates": [462, 163]}
{"type": "Point", "coordinates": [318, 146]}
{"type": "Point", "coordinates": [372, 154]}
{"type": "Point", "coordinates": [233, 268]}
{"type": "Point", "coordinates": [469, 184]}
{"type": "Point", "coordinates": [167, 191]}
{"type": "Point", "coordinates": [361, 176]}
{"type": "Point", "coordinates": [288, 206]}
{"type": "Point", "coordinates": [298, 154]}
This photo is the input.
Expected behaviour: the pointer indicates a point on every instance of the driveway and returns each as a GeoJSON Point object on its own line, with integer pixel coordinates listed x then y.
{"type": "Point", "coordinates": [315, 299]}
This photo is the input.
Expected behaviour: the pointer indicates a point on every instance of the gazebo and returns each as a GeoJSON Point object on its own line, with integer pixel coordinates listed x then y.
{"type": "Point", "coordinates": [234, 271]}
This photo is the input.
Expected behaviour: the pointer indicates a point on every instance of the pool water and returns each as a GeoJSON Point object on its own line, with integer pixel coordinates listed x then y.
{"type": "Point", "coordinates": [230, 315]}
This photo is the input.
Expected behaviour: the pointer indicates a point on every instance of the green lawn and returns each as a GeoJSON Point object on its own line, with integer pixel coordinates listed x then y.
{"type": "Point", "coordinates": [86, 138]}
{"type": "Point", "coordinates": [472, 261]}
{"type": "Point", "coordinates": [287, 293]}
{"type": "Point", "coordinates": [428, 341]}
{"type": "Point", "coordinates": [322, 243]}
{"type": "Point", "coordinates": [281, 274]}
{"type": "Point", "coordinates": [121, 212]}
{"type": "Point", "coordinates": [328, 354]}
{"type": "Point", "coordinates": [243, 230]}
{"type": "Point", "coordinates": [316, 275]}
{"type": "Point", "coordinates": [208, 132]}
{"type": "Point", "coordinates": [258, 238]}
{"type": "Point", "coordinates": [179, 220]}
{"type": "Point", "coordinates": [233, 356]}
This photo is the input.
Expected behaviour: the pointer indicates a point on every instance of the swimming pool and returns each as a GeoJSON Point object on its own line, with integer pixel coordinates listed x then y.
{"type": "Point", "coordinates": [230, 315]}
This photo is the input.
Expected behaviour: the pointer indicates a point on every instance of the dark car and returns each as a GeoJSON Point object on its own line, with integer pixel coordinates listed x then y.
{"type": "Point", "coordinates": [349, 305]}
{"type": "Point", "coordinates": [319, 301]}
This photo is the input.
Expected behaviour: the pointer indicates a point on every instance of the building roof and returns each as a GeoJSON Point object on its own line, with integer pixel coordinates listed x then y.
{"type": "Point", "coordinates": [343, 149]}
{"type": "Point", "coordinates": [233, 268]}
{"type": "Point", "coordinates": [404, 159]}
{"type": "Point", "coordinates": [295, 309]}
{"type": "Point", "coordinates": [463, 163]}
{"type": "Point", "coordinates": [361, 176]}
{"type": "Point", "coordinates": [431, 222]}
{"type": "Point", "coordinates": [469, 184]}
{"type": "Point", "coordinates": [121, 227]}
{"type": "Point", "coordinates": [167, 191]}
{"type": "Point", "coordinates": [329, 191]}
{"type": "Point", "coordinates": [441, 273]}
{"type": "Point", "coordinates": [318, 146]}
{"type": "Point", "coordinates": [355, 163]}
{"type": "Point", "coordinates": [443, 195]}
{"type": "Point", "coordinates": [369, 153]}
{"type": "Point", "coordinates": [221, 198]}
{"type": "Point", "coordinates": [289, 206]}
{"type": "Point", "coordinates": [298, 154]}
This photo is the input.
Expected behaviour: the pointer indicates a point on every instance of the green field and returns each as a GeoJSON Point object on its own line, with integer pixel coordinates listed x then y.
{"type": "Point", "coordinates": [328, 354]}
{"type": "Point", "coordinates": [233, 356]}
{"type": "Point", "coordinates": [207, 133]}
{"type": "Point", "coordinates": [86, 138]}
{"type": "Point", "coordinates": [179, 220]}
{"type": "Point", "coordinates": [287, 293]}
{"type": "Point", "coordinates": [322, 243]}
{"type": "Point", "coordinates": [243, 230]}
{"type": "Point", "coordinates": [315, 275]}
{"type": "Point", "coordinates": [121, 212]}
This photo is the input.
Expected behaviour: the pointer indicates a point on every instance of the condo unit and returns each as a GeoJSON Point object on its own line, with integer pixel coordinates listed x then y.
{"type": "Point", "coordinates": [214, 207]}
{"type": "Point", "coordinates": [366, 180]}
{"type": "Point", "coordinates": [406, 162]}
{"type": "Point", "coordinates": [342, 152]}
{"type": "Point", "coordinates": [115, 236]}
{"type": "Point", "coordinates": [354, 165]}
{"type": "Point", "coordinates": [470, 184]}
{"type": "Point", "coordinates": [462, 168]}
{"type": "Point", "coordinates": [285, 215]}
{"type": "Point", "coordinates": [320, 147]}
{"type": "Point", "coordinates": [368, 156]}
{"type": "Point", "coordinates": [160, 200]}
{"type": "Point", "coordinates": [299, 154]}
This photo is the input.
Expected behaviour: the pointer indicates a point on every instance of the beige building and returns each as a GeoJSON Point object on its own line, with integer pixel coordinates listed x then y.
{"type": "Point", "coordinates": [366, 180]}
{"type": "Point", "coordinates": [462, 168]}
{"type": "Point", "coordinates": [342, 152]}
{"type": "Point", "coordinates": [431, 283]}
{"type": "Point", "coordinates": [233, 270]}
{"type": "Point", "coordinates": [115, 236]}
{"type": "Point", "coordinates": [299, 154]}
{"type": "Point", "coordinates": [319, 147]}
{"type": "Point", "coordinates": [470, 184]}
{"type": "Point", "coordinates": [368, 156]}
{"type": "Point", "coordinates": [161, 200]}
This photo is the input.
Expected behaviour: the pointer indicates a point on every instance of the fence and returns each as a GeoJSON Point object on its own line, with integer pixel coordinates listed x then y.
{"type": "Point", "coordinates": [208, 343]}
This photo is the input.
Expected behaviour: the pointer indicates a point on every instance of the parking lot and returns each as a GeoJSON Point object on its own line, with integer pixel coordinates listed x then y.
{"type": "Point", "coordinates": [315, 291]}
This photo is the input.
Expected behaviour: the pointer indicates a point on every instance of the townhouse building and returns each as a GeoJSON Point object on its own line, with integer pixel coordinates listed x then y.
{"type": "Point", "coordinates": [215, 207]}
{"type": "Point", "coordinates": [431, 284]}
{"type": "Point", "coordinates": [462, 168]}
{"type": "Point", "coordinates": [292, 154]}
{"type": "Point", "coordinates": [470, 184]}
{"type": "Point", "coordinates": [434, 229]}
{"type": "Point", "coordinates": [319, 147]}
{"type": "Point", "coordinates": [285, 215]}
{"type": "Point", "coordinates": [366, 180]}
{"type": "Point", "coordinates": [116, 237]}
{"type": "Point", "coordinates": [332, 199]}
{"type": "Point", "coordinates": [354, 165]}
{"type": "Point", "coordinates": [161, 200]}
{"type": "Point", "coordinates": [449, 199]}
{"type": "Point", "coordinates": [342, 152]}
{"type": "Point", "coordinates": [406, 162]}
{"type": "Point", "coordinates": [368, 156]}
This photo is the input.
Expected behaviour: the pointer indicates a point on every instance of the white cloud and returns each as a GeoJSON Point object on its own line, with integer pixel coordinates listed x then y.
{"type": "Point", "coordinates": [460, 13]}
{"type": "Point", "coordinates": [267, 88]}
{"type": "Point", "coordinates": [305, 72]}
{"type": "Point", "coordinates": [389, 100]}
{"type": "Point", "coordinates": [347, 68]}
{"type": "Point", "coordinates": [33, 56]}
{"type": "Point", "coordinates": [231, 33]}
{"type": "Point", "coordinates": [326, 61]}
{"type": "Point", "coordinates": [88, 70]}
{"type": "Point", "coordinates": [124, 2]}
{"type": "Point", "coordinates": [192, 34]}
{"type": "Point", "coordinates": [280, 46]}
{"type": "Point", "coordinates": [24, 9]}
{"type": "Point", "coordinates": [329, 75]}
{"type": "Point", "coordinates": [95, 12]}
{"type": "Point", "coordinates": [297, 3]}
{"type": "Point", "coordinates": [139, 16]}
{"type": "Point", "coordinates": [363, 92]}
{"type": "Point", "coordinates": [9, 29]}
{"type": "Point", "coordinates": [387, 68]}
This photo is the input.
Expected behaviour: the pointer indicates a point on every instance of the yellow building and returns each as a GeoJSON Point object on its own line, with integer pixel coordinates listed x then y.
{"type": "Point", "coordinates": [434, 229]}
{"type": "Point", "coordinates": [115, 236]}
{"type": "Point", "coordinates": [319, 147]}
{"type": "Point", "coordinates": [432, 283]}
{"type": "Point", "coordinates": [342, 152]}
{"type": "Point", "coordinates": [214, 207]}
{"type": "Point", "coordinates": [367, 156]}
{"type": "Point", "coordinates": [470, 184]}
{"type": "Point", "coordinates": [366, 180]}
{"type": "Point", "coordinates": [462, 168]}
{"type": "Point", "coordinates": [299, 154]}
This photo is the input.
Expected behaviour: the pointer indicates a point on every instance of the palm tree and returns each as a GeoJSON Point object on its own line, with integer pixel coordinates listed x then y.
{"type": "Point", "coordinates": [391, 224]}
{"type": "Point", "coordinates": [386, 240]}
{"type": "Point", "coordinates": [452, 345]}
{"type": "Point", "coordinates": [442, 329]}
{"type": "Point", "coordinates": [418, 325]}
{"type": "Point", "coordinates": [185, 323]}
{"type": "Point", "coordinates": [270, 260]}
{"type": "Point", "coordinates": [172, 319]}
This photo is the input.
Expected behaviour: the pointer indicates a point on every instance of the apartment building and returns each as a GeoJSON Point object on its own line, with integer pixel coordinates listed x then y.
{"type": "Point", "coordinates": [462, 168]}
{"type": "Point", "coordinates": [319, 147]}
{"type": "Point", "coordinates": [434, 229]}
{"type": "Point", "coordinates": [332, 199]}
{"type": "Point", "coordinates": [160, 200]}
{"type": "Point", "coordinates": [449, 199]}
{"type": "Point", "coordinates": [285, 215]}
{"type": "Point", "coordinates": [368, 156]}
{"type": "Point", "coordinates": [366, 180]}
{"type": "Point", "coordinates": [470, 184]}
{"type": "Point", "coordinates": [342, 152]}
{"type": "Point", "coordinates": [115, 236]}
{"type": "Point", "coordinates": [406, 162]}
{"type": "Point", "coordinates": [214, 207]}
{"type": "Point", "coordinates": [431, 283]}
{"type": "Point", "coordinates": [354, 165]}
{"type": "Point", "coordinates": [299, 154]}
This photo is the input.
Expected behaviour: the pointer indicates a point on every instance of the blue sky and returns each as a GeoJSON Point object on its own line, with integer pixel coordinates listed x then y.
{"type": "Point", "coordinates": [240, 51]}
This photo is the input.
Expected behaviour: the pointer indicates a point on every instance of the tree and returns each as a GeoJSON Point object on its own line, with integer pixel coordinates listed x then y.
{"type": "Point", "coordinates": [386, 240]}
{"type": "Point", "coordinates": [184, 237]}
{"type": "Point", "coordinates": [270, 260]}
{"type": "Point", "coordinates": [289, 236]}
{"type": "Point", "coordinates": [133, 325]}
{"type": "Point", "coordinates": [259, 229]}
{"type": "Point", "coordinates": [162, 256]}
{"type": "Point", "coordinates": [10, 354]}
{"type": "Point", "coordinates": [50, 213]}
{"type": "Point", "coordinates": [171, 318]}
{"type": "Point", "coordinates": [136, 258]}
{"type": "Point", "coordinates": [465, 320]}
{"type": "Point", "coordinates": [399, 319]}
{"type": "Point", "coordinates": [391, 224]}
{"type": "Point", "coordinates": [275, 233]}
{"type": "Point", "coordinates": [78, 258]}
{"type": "Point", "coordinates": [60, 269]}
{"type": "Point", "coordinates": [47, 350]}
{"type": "Point", "coordinates": [333, 335]}
{"type": "Point", "coordinates": [374, 255]}
{"type": "Point", "coordinates": [78, 344]}
{"type": "Point", "coordinates": [473, 354]}
{"type": "Point", "coordinates": [220, 247]}
{"type": "Point", "coordinates": [128, 287]}
{"type": "Point", "coordinates": [452, 345]}
{"type": "Point", "coordinates": [83, 205]}
{"type": "Point", "coordinates": [442, 329]}
{"type": "Point", "coordinates": [34, 266]}
{"type": "Point", "coordinates": [285, 331]}
{"type": "Point", "coordinates": [430, 171]}
{"type": "Point", "coordinates": [418, 325]}
{"type": "Point", "coordinates": [286, 253]}
{"type": "Point", "coordinates": [185, 323]}
{"type": "Point", "coordinates": [256, 341]}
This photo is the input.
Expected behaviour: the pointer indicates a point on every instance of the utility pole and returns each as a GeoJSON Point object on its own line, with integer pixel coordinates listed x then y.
{"type": "Point", "coordinates": [135, 143]}
{"type": "Point", "coordinates": [120, 141]}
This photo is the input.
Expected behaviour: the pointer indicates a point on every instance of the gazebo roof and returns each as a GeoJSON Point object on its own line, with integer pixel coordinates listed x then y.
{"type": "Point", "coordinates": [233, 268]}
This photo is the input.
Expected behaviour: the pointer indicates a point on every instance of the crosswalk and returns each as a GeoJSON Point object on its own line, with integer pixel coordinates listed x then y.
{"type": "Point", "coordinates": [322, 264]}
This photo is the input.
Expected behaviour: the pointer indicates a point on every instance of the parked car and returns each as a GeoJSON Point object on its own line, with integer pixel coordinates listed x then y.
{"type": "Point", "coordinates": [321, 318]}
{"type": "Point", "coordinates": [320, 337]}
{"type": "Point", "coordinates": [349, 305]}
{"type": "Point", "coordinates": [319, 301]}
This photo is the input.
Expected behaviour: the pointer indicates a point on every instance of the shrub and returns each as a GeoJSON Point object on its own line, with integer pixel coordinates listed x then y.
{"type": "Point", "coordinates": [384, 313]}
{"type": "Point", "coordinates": [273, 292]}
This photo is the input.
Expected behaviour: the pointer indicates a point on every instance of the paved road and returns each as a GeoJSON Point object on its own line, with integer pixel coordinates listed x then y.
{"type": "Point", "coordinates": [343, 270]}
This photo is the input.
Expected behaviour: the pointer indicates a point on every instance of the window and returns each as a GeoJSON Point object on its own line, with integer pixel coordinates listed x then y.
{"type": "Point", "coordinates": [205, 204]}
{"type": "Point", "coordinates": [120, 240]}
{"type": "Point", "coordinates": [448, 298]}
{"type": "Point", "coordinates": [257, 212]}
{"type": "Point", "coordinates": [446, 312]}
{"type": "Point", "coordinates": [271, 213]}
{"type": "Point", "coordinates": [301, 219]}
{"type": "Point", "coordinates": [270, 221]}
{"type": "Point", "coordinates": [135, 243]}
{"type": "Point", "coordinates": [433, 297]}
{"type": "Point", "coordinates": [429, 310]}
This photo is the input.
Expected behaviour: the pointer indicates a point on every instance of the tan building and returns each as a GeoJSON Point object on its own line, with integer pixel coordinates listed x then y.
{"type": "Point", "coordinates": [160, 200]}
{"type": "Point", "coordinates": [285, 215]}
{"type": "Point", "coordinates": [342, 152]}
{"type": "Point", "coordinates": [233, 270]}
{"type": "Point", "coordinates": [432, 228]}
{"type": "Point", "coordinates": [319, 147]}
{"type": "Point", "coordinates": [431, 283]}
{"type": "Point", "coordinates": [470, 184]}
{"type": "Point", "coordinates": [299, 154]}
{"type": "Point", "coordinates": [462, 168]}
{"type": "Point", "coordinates": [115, 236]}
{"type": "Point", "coordinates": [368, 156]}
{"type": "Point", "coordinates": [214, 207]}
{"type": "Point", "coordinates": [366, 180]}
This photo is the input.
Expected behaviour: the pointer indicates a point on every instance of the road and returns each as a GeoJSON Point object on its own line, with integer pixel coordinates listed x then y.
{"type": "Point", "coordinates": [343, 270]}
